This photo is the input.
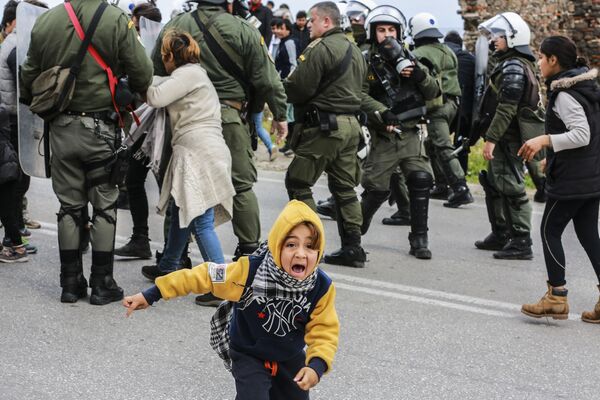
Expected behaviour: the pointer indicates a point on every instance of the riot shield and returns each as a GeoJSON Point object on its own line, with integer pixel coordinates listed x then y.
{"type": "Point", "coordinates": [481, 63]}
{"type": "Point", "coordinates": [149, 31]}
{"type": "Point", "coordinates": [32, 146]}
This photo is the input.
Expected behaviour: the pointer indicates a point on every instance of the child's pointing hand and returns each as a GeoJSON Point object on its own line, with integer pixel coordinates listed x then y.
{"type": "Point", "coordinates": [135, 302]}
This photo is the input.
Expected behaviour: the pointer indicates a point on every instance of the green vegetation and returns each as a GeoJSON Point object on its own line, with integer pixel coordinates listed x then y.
{"type": "Point", "coordinates": [477, 163]}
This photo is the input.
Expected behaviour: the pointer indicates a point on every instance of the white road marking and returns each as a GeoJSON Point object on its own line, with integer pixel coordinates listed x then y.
{"type": "Point", "coordinates": [394, 290]}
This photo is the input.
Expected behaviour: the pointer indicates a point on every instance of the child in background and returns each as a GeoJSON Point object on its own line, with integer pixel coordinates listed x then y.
{"type": "Point", "coordinates": [277, 302]}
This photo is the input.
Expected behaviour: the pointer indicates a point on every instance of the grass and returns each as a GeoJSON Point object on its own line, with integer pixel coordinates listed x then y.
{"type": "Point", "coordinates": [478, 163]}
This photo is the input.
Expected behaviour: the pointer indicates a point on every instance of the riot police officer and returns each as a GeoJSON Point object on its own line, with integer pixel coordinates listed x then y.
{"type": "Point", "coordinates": [441, 111]}
{"type": "Point", "coordinates": [326, 90]}
{"type": "Point", "coordinates": [83, 138]}
{"type": "Point", "coordinates": [510, 113]}
{"type": "Point", "coordinates": [399, 86]}
{"type": "Point", "coordinates": [242, 89]}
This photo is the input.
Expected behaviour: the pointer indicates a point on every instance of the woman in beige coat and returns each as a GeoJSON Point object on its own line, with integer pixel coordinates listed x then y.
{"type": "Point", "coordinates": [198, 176]}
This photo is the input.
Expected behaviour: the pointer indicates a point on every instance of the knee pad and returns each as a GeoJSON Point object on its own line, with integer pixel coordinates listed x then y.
{"type": "Point", "coordinates": [103, 213]}
{"type": "Point", "coordinates": [420, 180]}
{"type": "Point", "coordinates": [76, 215]}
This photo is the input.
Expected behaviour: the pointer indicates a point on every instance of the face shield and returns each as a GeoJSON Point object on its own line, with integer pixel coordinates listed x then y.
{"type": "Point", "coordinates": [357, 12]}
{"type": "Point", "coordinates": [496, 28]}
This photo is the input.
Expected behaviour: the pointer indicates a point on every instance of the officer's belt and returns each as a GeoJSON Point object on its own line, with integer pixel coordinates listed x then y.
{"type": "Point", "coordinates": [106, 116]}
{"type": "Point", "coordinates": [233, 104]}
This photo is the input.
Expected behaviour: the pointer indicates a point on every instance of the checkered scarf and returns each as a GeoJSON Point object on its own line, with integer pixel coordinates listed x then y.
{"type": "Point", "coordinates": [270, 282]}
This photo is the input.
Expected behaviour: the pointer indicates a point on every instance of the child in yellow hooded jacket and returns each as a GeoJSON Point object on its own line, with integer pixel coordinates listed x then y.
{"type": "Point", "coordinates": [277, 302]}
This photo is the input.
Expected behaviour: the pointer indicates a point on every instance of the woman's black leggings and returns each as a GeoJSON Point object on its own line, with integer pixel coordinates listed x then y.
{"type": "Point", "coordinates": [9, 208]}
{"type": "Point", "coordinates": [557, 215]}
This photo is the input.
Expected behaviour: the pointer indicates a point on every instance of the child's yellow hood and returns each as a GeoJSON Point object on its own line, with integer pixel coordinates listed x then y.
{"type": "Point", "coordinates": [294, 213]}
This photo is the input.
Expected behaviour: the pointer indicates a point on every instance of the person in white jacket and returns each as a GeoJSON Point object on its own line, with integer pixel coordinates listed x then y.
{"type": "Point", "coordinates": [198, 176]}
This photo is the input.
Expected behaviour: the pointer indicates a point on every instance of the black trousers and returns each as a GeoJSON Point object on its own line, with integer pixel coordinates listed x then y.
{"type": "Point", "coordinates": [557, 215]}
{"type": "Point", "coordinates": [136, 190]}
{"type": "Point", "coordinates": [8, 211]}
{"type": "Point", "coordinates": [22, 184]}
{"type": "Point", "coordinates": [254, 378]}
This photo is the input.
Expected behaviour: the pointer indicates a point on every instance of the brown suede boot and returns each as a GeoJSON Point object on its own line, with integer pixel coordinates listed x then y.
{"type": "Point", "coordinates": [592, 317]}
{"type": "Point", "coordinates": [553, 304]}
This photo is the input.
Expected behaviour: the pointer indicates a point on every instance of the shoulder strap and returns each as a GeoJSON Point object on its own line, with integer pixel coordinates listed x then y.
{"type": "Point", "coordinates": [334, 74]}
{"type": "Point", "coordinates": [87, 37]}
{"type": "Point", "coordinates": [222, 56]}
{"type": "Point", "coordinates": [86, 45]}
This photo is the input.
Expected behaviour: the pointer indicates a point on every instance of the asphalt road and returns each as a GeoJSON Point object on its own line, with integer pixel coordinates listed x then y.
{"type": "Point", "coordinates": [448, 328]}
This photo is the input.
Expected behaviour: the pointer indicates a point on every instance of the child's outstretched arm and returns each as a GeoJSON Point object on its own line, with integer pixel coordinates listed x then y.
{"type": "Point", "coordinates": [226, 281]}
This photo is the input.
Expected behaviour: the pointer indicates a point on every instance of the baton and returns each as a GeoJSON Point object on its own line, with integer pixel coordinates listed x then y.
{"type": "Point", "coordinates": [380, 119]}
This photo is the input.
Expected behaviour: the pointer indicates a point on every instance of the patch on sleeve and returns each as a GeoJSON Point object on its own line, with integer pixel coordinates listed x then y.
{"type": "Point", "coordinates": [217, 272]}
{"type": "Point", "coordinates": [302, 58]}
{"type": "Point", "coordinates": [130, 24]}
{"type": "Point", "coordinates": [262, 41]}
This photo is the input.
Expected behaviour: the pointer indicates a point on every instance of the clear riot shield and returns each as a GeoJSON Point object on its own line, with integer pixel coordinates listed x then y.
{"type": "Point", "coordinates": [149, 31]}
{"type": "Point", "coordinates": [32, 146]}
{"type": "Point", "coordinates": [482, 52]}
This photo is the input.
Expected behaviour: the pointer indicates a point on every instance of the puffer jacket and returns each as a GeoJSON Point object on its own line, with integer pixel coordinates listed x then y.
{"type": "Point", "coordinates": [9, 161]}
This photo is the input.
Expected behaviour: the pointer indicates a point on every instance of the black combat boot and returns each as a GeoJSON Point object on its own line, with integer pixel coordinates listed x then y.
{"type": "Point", "coordinates": [419, 246]}
{"type": "Point", "coordinates": [370, 203]}
{"type": "Point", "coordinates": [243, 250]}
{"type": "Point", "coordinates": [208, 300]}
{"type": "Point", "coordinates": [74, 285]}
{"type": "Point", "coordinates": [138, 246]}
{"type": "Point", "coordinates": [439, 192]}
{"type": "Point", "coordinates": [327, 208]}
{"type": "Point", "coordinates": [494, 241]}
{"type": "Point", "coordinates": [152, 272]}
{"type": "Point", "coordinates": [350, 255]}
{"type": "Point", "coordinates": [518, 248]}
{"type": "Point", "coordinates": [104, 288]}
{"type": "Point", "coordinates": [419, 184]}
{"type": "Point", "coordinates": [397, 218]}
{"type": "Point", "coordinates": [461, 195]}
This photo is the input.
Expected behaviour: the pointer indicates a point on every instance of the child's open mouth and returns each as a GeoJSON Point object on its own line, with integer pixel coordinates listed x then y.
{"type": "Point", "coordinates": [298, 268]}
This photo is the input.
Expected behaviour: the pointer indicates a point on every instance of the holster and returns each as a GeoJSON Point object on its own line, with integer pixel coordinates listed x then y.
{"type": "Point", "coordinates": [326, 121]}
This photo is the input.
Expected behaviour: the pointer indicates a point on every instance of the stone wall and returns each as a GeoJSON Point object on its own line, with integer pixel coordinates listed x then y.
{"type": "Point", "coordinates": [577, 19]}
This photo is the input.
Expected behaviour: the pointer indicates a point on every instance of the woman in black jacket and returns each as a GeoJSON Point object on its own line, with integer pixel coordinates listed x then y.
{"type": "Point", "coordinates": [9, 175]}
{"type": "Point", "coordinates": [572, 169]}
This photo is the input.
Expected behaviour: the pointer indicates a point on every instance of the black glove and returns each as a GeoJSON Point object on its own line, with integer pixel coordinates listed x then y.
{"type": "Point", "coordinates": [418, 74]}
{"type": "Point", "coordinates": [389, 118]}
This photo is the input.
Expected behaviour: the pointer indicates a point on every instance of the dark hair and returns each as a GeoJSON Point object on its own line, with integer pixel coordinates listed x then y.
{"type": "Point", "coordinates": [301, 14]}
{"type": "Point", "coordinates": [10, 13]}
{"type": "Point", "coordinates": [276, 21]}
{"type": "Point", "coordinates": [286, 23]}
{"type": "Point", "coordinates": [270, 3]}
{"type": "Point", "coordinates": [147, 10]}
{"type": "Point", "coordinates": [564, 50]}
{"type": "Point", "coordinates": [182, 45]}
{"type": "Point", "coordinates": [453, 37]}
{"type": "Point", "coordinates": [328, 9]}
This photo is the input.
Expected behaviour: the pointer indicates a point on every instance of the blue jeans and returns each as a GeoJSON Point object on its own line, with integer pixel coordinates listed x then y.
{"type": "Point", "coordinates": [204, 231]}
{"type": "Point", "coordinates": [262, 132]}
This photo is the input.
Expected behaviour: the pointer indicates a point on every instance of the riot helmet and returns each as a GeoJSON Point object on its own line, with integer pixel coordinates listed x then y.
{"type": "Point", "coordinates": [511, 26]}
{"type": "Point", "coordinates": [388, 15]}
{"type": "Point", "coordinates": [125, 5]}
{"type": "Point", "coordinates": [424, 25]}
{"type": "Point", "coordinates": [345, 21]}
{"type": "Point", "coordinates": [358, 10]}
